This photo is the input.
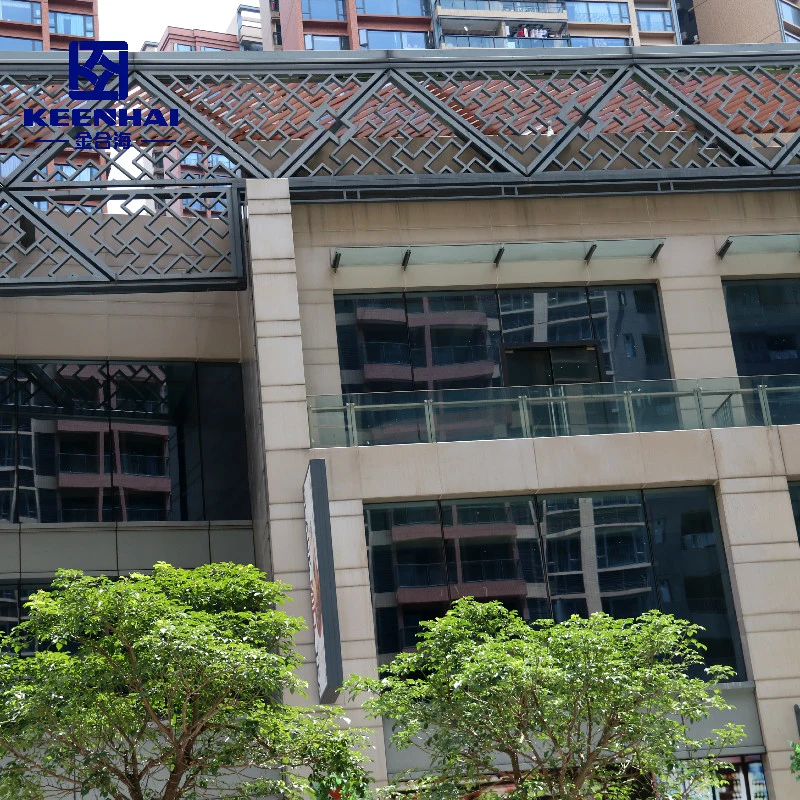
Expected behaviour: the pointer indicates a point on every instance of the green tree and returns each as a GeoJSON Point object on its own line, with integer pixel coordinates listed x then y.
{"type": "Point", "coordinates": [795, 759]}
{"type": "Point", "coordinates": [588, 708]}
{"type": "Point", "coordinates": [164, 687]}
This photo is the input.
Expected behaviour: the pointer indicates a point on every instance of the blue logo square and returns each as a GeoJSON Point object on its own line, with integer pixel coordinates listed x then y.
{"type": "Point", "coordinates": [99, 70]}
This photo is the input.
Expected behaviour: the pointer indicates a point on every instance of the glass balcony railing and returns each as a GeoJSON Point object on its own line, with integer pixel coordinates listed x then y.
{"type": "Point", "coordinates": [499, 569]}
{"type": "Point", "coordinates": [516, 6]}
{"type": "Point", "coordinates": [416, 576]}
{"type": "Point", "coordinates": [79, 463]}
{"type": "Point", "coordinates": [402, 8]}
{"type": "Point", "coordinates": [444, 355]}
{"type": "Point", "coordinates": [150, 466]}
{"type": "Point", "coordinates": [385, 353]}
{"type": "Point", "coordinates": [536, 411]}
{"type": "Point", "coordinates": [451, 40]}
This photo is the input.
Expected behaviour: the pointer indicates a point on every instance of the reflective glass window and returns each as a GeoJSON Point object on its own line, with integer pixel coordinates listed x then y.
{"type": "Point", "coordinates": [372, 332]}
{"type": "Point", "coordinates": [690, 563]}
{"type": "Point", "coordinates": [323, 9]}
{"type": "Point", "coordinates": [71, 24]}
{"type": "Point", "coordinates": [460, 340]}
{"type": "Point", "coordinates": [622, 553]}
{"type": "Point", "coordinates": [404, 8]}
{"type": "Point", "coordinates": [627, 324]}
{"type": "Point", "coordinates": [655, 20]}
{"type": "Point", "coordinates": [454, 339]}
{"type": "Point", "coordinates": [317, 42]}
{"type": "Point", "coordinates": [16, 43]}
{"type": "Point", "coordinates": [764, 317]}
{"type": "Point", "coordinates": [21, 11]}
{"type": "Point", "coordinates": [593, 11]}
{"type": "Point", "coordinates": [790, 13]}
{"type": "Point", "coordinates": [393, 40]}
{"type": "Point", "coordinates": [599, 41]}
{"type": "Point", "coordinates": [121, 442]}
{"type": "Point", "coordinates": [597, 553]}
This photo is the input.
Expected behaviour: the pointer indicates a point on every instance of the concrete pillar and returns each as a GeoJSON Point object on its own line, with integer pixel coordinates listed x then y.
{"type": "Point", "coordinates": [696, 322]}
{"type": "Point", "coordinates": [282, 395]}
{"type": "Point", "coordinates": [764, 561]}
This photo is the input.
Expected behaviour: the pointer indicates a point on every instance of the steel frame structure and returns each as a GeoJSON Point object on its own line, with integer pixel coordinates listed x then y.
{"type": "Point", "coordinates": [369, 126]}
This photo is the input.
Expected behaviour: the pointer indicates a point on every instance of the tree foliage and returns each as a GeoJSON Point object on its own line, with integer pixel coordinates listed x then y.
{"type": "Point", "coordinates": [164, 687]}
{"type": "Point", "coordinates": [795, 759]}
{"type": "Point", "coordinates": [588, 708]}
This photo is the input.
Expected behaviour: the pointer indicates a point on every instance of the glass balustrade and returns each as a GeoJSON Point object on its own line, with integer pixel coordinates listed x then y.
{"type": "Point", "coordinates": [403, 8]}
{"type": "Point", "coordinates": [450, 40]}
{"type": "Point", "coordinates": [517, 6]}
{"type": "Point", "coordinates": [536, 411]}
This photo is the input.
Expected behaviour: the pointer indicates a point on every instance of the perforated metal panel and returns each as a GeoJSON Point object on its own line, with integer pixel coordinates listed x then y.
{"type": "Point", "coordinates": [363, 126]}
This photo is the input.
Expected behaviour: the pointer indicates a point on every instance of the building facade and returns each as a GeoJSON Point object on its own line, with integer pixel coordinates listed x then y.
{"type": "Point", "coordinates": [29, 25]}
{"type": "Point", "coordinates": [414, 24]}
{"type": "Point", "coordinates": [735, 21]}
{"type": "Point", "coordinates": [244, 33]}
{"type": "Point", "coordinates": [548, 352]}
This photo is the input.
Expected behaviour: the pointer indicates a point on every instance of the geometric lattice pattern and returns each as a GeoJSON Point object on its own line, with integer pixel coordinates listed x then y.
{"type": "Point", "coordinates": [168, 207]}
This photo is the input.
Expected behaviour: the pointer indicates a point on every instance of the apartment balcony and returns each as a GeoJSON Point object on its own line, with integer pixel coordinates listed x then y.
{"type": "Point", "coordinates": [502, 21]}
{"type": "Point", "coordinates": [547, 411]}
{"type": "Point", "coordinates": [145, 465]}
{"type": "Point", "coordinates": [548, 14]}
{"type": "Point", "coordinates": [81, 463]}
{"type": "Point", "coordinates": [465, 40]}
{"type": "Point", "coordinates": [393, 8]}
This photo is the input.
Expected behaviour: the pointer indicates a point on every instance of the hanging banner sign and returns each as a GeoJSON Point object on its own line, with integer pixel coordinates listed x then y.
{"type": "Point", "coordinates": [324, 607]}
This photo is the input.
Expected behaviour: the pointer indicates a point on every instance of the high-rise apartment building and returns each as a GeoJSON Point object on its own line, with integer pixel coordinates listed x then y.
{"type": "Point", "coordinates": [741, 21]}
{"type": "Point", "coordinates": [244, 33]}
{"type": "Point", "coordinates": [538, 315]}
{"type": "Point", "coordinates": [48, 25]}
{"type": "Point", "coordinates": [401, 24]}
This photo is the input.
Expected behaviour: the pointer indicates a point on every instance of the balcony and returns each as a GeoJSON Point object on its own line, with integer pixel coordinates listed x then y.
{"type": "Point", "coordinates": [546, 411]}
{"type": "Point", "coordinates": [420, 576]}
{"type": "Point", "coordinates": [79, 463]}
{"type": "Point", "coordinates": [499, 569]}
{"type": "Point", "coordinates": [394, 8]}
{"type": "Point", "coordinates": [504, 6]}
{"type": "Point", "coordinates": [466, 40]}
{"type": "Point", "coordinates": [147, 465]}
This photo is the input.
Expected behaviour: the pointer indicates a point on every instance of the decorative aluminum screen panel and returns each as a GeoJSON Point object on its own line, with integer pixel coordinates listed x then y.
{"type": "Point", "coordinates": [166, 208]}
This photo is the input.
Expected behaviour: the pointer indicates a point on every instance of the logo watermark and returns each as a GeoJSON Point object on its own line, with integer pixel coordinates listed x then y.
{"type": "Point", "coordinates": [103, 75]}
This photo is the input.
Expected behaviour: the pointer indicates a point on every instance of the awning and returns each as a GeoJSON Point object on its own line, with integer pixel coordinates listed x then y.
{"type": "Point", "coordinates": [760, 243]}
{"type": "Point", "coordinates": [402, 256]}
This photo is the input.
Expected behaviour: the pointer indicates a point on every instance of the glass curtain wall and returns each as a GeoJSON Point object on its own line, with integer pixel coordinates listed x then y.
{"type": "Point", "coordinates": [764, 317]}
{"type": "Point", "coordinates": [456, 340]}
{"type": "Point", "coordinates": [122, 442]}
{"type": "Point", "coordinates": [552, 556]}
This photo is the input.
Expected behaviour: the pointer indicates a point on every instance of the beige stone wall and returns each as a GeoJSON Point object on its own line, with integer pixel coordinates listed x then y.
{"type": "Point", "coordinates": [174, 325]}
{"type": "Point", "coordinates": [688, 271]}
{"type": "Point", "coordinates": [737, 21]}
{"type": "Point", "coordinates": [748, 466]}
{"type": "Point", "coordinates": [282, 390]}
{"type": "Point", "coordinates": [293, 299]}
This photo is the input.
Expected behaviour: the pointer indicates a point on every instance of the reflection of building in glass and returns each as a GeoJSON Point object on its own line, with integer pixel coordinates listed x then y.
{"type": "Point", "coordinates": [764, 317]}
{"type": "Point", "coordinates": [622, 553]}
{"type": "Point", "coordinates": [453, 340]}
{"type": "Point", "coordinates": [118, 443]}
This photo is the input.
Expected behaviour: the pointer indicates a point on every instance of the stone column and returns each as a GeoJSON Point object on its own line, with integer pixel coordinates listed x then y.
{"type": "Point", "coordinates": [282, 387]}
{"type": "Point", "coordinates": [764, 561]}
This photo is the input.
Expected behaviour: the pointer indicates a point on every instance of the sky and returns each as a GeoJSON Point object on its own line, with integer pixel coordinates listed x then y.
{"type": "Point", "coordinates": [137, 21]}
